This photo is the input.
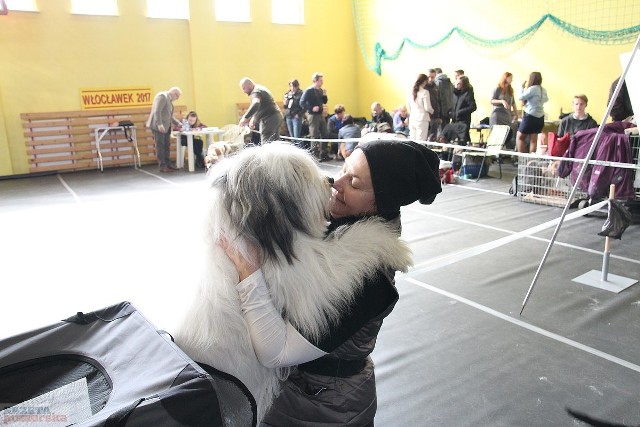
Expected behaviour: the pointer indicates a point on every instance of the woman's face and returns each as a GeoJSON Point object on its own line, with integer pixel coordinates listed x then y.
{"type": "Point", "coordinates": [192, 120]}
{"type": "Point", "coordinates": [352, 189]}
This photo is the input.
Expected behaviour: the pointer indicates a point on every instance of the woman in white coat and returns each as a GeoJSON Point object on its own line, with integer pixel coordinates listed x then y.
{"type": "Point", "coordinates": [420, 109]}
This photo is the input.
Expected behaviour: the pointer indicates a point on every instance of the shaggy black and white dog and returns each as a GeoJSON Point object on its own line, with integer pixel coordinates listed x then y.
{"type": "Point", "coordinates": [276, 197]}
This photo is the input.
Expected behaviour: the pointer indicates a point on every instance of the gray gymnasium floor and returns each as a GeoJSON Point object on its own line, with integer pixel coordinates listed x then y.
{"type": "Point", "coordinates": [454, 352]}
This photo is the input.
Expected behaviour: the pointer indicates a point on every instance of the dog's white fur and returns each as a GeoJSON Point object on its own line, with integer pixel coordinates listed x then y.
{"type": "Point", "coordinates": [279, 188]}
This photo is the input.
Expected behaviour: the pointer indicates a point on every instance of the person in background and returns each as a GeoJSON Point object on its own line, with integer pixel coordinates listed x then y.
{"type": "Point", "coordinates": [579, 120]}
{"type": "Point", "coordinates": [458, 74]}
{"type": "Point", "coordinates": [533, 96]}
{"type": "Point", "coordinates": [160, 122]}
{"type": "Point", "coordinates": [381, 120]}
{"type": "Point", "coordinates": [263, 111]}
{"type": "Point", "coordinates": [453, 133]}
{"type": "Point", "coordinates": [194, 123]}
{"type": "Point", "coordinates": [445, 90]}
{"type": "Point", "coordinates": [464, 103]}
{"type": "Point", "coordinates": [401, 121]}
{"type": "Point", "coordinates": [348, 130]}
{"type": "Point", "coordinates": [313, 99]}
{"type": "Point", "coordinates": [332, 380]}
{"type": "Point", "coordinates": [436, 117]}
{"type": "Point", "coordinates": [334, 122]}
{"type": "Point", "coordinates": [420, 109]}
{"type": "Point", "coordinates": [293, 111]}
{"type": "Point", "coordinates": [504, 105]}
{"type": "Point", "coordinates": [622, 107]}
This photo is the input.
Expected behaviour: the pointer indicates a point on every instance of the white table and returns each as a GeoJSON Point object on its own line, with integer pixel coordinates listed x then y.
{"type": "Point", "coordinates": [207, 132]}
{"type": "Point", "coordinates": [100, 132]}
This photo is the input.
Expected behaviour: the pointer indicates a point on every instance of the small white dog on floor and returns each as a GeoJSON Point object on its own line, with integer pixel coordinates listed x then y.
{"type": "Point", "coordinates": [277, 197]}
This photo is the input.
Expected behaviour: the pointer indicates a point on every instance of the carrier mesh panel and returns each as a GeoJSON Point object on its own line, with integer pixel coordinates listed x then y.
{"type": "Point", "coordinates": [237, 405]}
{"type": "Point", "coordinates": [35, 377]}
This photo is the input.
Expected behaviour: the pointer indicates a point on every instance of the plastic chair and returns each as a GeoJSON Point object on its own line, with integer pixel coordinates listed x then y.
{"type": "Point", "coordinates": [495, 142]}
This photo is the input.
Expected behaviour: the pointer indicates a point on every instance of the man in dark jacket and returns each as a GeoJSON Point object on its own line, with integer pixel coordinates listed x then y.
{"type": "Point", "coordinates": [313, 100]}
{"type": "Point", "coordinates": [445, 90]}
{"type": "Point", "coordinates": [464, 104]}
{"type": "Point", "coordinates": [436, 116]}
{"type": "Point", "coordinates": [381, 120]}
{"type": "Point", "coordinates": [263, 110]}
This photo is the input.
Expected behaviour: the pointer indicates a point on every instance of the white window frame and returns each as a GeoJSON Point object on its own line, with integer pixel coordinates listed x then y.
{"type": "Point", "coordinates": [21, 5]}
{"type": "Point", "coordinates": [287, 12]}
{"type": "Point", "coordinates": [95, 7]}
{"type": "Point", "coordinates": [232, 10]}
{"type": "Point", "coordinates": [168, 9]}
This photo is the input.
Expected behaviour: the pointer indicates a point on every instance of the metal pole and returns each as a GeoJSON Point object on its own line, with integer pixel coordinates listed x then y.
{"type": "Point", "coordinates": [581, 174]}
{"type": "Point", "coordinates": [607, 240]}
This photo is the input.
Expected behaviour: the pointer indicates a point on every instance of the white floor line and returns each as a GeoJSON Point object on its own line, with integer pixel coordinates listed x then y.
{"type": "Point", "coordinates": [484, 190]}
{"type": "Point", "coordinates": [73, 193]}
{"type": "Point", "coordinates": [580, 248]}
{"type": "Point", "coordinates": [158, 176]}
{"type": "Point", "coordinates": [502, 230]}
{"type": "Point", "coordinates": [528, 326]}
{"type": "Point", "coordinates": [454, 257]}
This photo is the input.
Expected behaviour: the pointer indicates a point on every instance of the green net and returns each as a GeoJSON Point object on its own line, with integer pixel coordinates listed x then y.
{"type": "Point", "coordinates": [383, 30]}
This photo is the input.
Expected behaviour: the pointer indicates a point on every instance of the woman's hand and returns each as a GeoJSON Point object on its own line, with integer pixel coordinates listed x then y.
{"type": "Point", "coordinates": [245, 267]}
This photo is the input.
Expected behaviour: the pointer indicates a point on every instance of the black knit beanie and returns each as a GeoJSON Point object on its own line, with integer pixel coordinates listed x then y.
{"type": "Point", "coordinates": [402, 172]}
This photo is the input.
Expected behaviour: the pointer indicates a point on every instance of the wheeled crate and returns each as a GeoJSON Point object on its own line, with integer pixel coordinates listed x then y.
{"type": "Point", "coordinates": [538, 181]}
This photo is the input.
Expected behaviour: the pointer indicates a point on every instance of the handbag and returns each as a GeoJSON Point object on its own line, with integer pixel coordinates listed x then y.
{"type": "Point", "coordinates": [127, 124]}
{"type": "Point", "coordinates": [558, 146]}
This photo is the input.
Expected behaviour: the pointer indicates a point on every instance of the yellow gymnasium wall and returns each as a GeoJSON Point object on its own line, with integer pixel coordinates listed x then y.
{"type": "Point", "coordinates": [48, 56]}
{"type": "Point", "coordinates": [569, 65]}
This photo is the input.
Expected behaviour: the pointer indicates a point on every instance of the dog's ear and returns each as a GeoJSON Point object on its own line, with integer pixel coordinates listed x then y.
{"type": "Point", "coordinates": [258, 211]}
{"type": "Point", "coordinates": [272, 220]}
{"type": "Point", "coordinates": [272, 193]}
{"type": "Point", "coordinates": [275, 230]}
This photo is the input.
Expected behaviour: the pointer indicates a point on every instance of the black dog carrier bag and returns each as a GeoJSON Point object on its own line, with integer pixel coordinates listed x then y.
{"type": "Point", "coordinates": [111, 367]}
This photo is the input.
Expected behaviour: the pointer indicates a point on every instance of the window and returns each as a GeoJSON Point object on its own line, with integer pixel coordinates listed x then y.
{"type": "Point", "coordinates": [22, 5]}
{"type": "Point", "coordinates": [233, 10]}
{"type": "Point", "coordinates": [94, 7]}
{"type": "Point", "coordinates": [287, 11]}
{"type": "Point", "coordinates": [168, 9]}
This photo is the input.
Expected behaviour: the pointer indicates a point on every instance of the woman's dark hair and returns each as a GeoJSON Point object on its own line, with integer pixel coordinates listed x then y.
{"type": "Point", "coordinates": [535, 79]}
{"type": "Point", "coordinates": [347, 119]}
{"type": "Point", "coordinates": [294, 83]}
{"type": "Point", "coordinates": [464, 83]}
{"type": "Point", "coordinates": [422, 78]}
